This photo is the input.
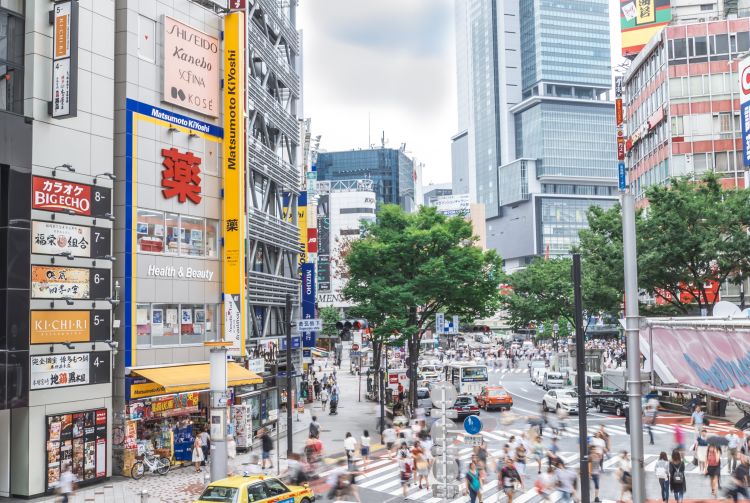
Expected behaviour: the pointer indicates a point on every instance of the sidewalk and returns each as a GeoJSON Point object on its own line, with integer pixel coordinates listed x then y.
{"type": "Point", "coordinates": [184, 485]}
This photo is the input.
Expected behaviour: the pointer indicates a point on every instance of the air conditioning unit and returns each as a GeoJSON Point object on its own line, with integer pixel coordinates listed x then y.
{"type": "Point", "coordinates": [701, 19]}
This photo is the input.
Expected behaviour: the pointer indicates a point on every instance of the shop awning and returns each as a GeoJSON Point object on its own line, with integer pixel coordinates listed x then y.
{"type": "Point", "coordinates": [195, 377]}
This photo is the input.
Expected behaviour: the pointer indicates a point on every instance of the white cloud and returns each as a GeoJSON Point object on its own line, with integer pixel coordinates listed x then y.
{"type": "Point", "coordinates": [392, 59]}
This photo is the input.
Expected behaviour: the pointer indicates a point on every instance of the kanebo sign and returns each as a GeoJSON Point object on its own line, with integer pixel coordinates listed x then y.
{"type": "Point", "coordinates": [179, 272]}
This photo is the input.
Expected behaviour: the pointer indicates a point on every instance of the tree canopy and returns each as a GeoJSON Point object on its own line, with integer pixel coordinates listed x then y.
{"type": "Point", "coordinates": [410, 266]}
{"type": "Point", "coordinates": [691, 238]}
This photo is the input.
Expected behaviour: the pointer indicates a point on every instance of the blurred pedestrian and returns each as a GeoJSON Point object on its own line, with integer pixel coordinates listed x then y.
{"type": "Point", "coordinates": [677, 476]}
{"type": "Point", "coordinates": [350, 446]}
{"type": "Point", "coordinates": [733, 446]}
{"type": "Point", "coordinates": [740, 479]}
{"type": "Point", "coordinates": [474, 483]}
{"type": "Point", "coordinates": [67, 483]}
{"type": "Point", "coordinates": [697, 420]}
{"type": "Point", "coordinates": [713, 467]}
{"type": "Point", "coordinates": [364, 448]}
{"type": "Point", "coordinates": [661, 470]}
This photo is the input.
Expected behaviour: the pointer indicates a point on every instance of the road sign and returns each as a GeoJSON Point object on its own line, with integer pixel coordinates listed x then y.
{"type": "Point", "coordinates": [455, 324]}
{"type": "Point", "coordinates": [440, 323]}
{"type": "Point", "coordinates": [621, 178]}
{"type": "Point", "coordinates": [472, 425]}
{"type": "Point", "coordinates": [445, 471]}
{"type": "Point", "coordinates": [310, 325]}
{"type": "Point", "coordinates": [355, 347]}
{"type": "Point", "coordinates": [473, 440]}
{"type": "Point", "coordinates": [355, 353]}
{"type": "Point", "coordinates": [443, 393]}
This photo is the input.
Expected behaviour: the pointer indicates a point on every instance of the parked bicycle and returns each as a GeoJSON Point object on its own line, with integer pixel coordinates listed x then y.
{"type": "Point", "coordinates": [150, 463]}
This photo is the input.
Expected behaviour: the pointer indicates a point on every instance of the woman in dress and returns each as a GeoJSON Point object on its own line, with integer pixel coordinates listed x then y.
{"type": "Point", "coordinates": [197, 453]}
{"type": "Point", "coordinates": [713, 467]}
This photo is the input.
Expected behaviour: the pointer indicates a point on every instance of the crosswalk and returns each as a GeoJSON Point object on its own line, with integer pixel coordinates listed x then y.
{"type": "Point", "coordinates": [507, 371]}
{"type": "Point", "coordinates": [383, 475]}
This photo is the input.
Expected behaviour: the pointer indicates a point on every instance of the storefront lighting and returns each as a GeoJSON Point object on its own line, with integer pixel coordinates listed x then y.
{"type": "Point", "coordinates": [108, 175]}
{"type": "Point", "coordinates": [193, 134]}
{"type": "Point", "coordinates": [69, 301]}
{"type": "Point", "coordinates": [172, 129]}
{"type": "Point", "coordinates": [66, 254]}
{"type": "Point", "coordinates": [63, 166]}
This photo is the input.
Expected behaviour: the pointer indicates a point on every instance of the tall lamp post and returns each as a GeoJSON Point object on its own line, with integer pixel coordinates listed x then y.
{"type": "Point", "coordinates": [383, 377]}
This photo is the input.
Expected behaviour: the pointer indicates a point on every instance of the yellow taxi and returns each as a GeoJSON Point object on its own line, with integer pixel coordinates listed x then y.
{"type": "Point", "coordinates": [255, 489]}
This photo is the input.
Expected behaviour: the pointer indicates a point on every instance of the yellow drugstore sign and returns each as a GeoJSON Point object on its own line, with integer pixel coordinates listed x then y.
{"type": "Point", "coordinates": [234, 221]}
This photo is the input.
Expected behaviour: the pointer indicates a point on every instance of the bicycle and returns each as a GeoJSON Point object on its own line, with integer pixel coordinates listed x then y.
{"type": "Point", "coordinates": [150, 463]}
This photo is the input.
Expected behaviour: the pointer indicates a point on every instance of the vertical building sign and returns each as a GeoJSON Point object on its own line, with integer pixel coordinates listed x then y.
{"type": "Point", "coordinates": [64, 60]}
{"type": "Point", "coordinates": [234, 223]}
{"type": "Point", "coordinates": [619, 118]}
{"type": "Point", "coordinates": [324, 248]}
{"type": "Point", "coordinates": [744, 72]}
{"type": "Point", "coordinates": [308, 302]}
{"type": "Point", "coordinates": [302, 224]}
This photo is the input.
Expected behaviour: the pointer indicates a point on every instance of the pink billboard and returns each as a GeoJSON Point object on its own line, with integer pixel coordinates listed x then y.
{"type": "Point", "coordinates": [191, 68]}
{"type": "Point", "coordinates": [714, 359]}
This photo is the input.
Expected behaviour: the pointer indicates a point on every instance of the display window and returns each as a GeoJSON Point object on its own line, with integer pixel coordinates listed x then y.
{"type": "Point", "coordinates": [159, 232]}
{"type": "Point", "coordinates": [76, 442]}
{"type": "Point", "coordinates": [176, 324]}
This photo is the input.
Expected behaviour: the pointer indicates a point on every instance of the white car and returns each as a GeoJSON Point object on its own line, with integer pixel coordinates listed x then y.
{"type": "Point", "coordinates": [565, 399]}
{"type": "Point", "coordinates": [537, 375]}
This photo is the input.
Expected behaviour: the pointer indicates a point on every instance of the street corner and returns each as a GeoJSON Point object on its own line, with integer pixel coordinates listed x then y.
{"type": "Point", "coordinates": [179, 486]}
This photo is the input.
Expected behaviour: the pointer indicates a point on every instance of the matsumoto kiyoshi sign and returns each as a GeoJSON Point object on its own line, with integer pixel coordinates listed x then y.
{"type": "Point", "coordinates": [191, 68]}
{"type": "Point", "coordinates": [179, 272]}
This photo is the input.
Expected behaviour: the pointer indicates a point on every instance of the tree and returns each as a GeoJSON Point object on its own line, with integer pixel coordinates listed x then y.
{"type": "Point", "coordinates": [409, 267]}
{"type": "Point", "coordinates": [693, 234]}
{"type": "Point", "coordinates": [329, 316]}
{"type": "Point", "coordinates": [543, 293]}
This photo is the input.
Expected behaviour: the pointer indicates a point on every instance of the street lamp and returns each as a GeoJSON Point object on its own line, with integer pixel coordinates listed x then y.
{"type": "Point", "coordinates": [383, 372]}
{"type": "Point", "coordinates": [555, 331]}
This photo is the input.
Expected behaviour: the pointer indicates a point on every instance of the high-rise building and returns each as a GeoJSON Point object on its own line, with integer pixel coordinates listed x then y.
{"type": "Point", "coordinates": [541, 144]}
{"type": "Point", "coordinates": [391, 171]}
{"type": "Point", "coordinates": [435, 190]}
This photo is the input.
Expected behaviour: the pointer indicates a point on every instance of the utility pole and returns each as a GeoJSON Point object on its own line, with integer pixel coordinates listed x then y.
{"type": "Point", "coordinates": [290, 390]}
{"type": "Point", "coordinates": [581, 376]}
{"type": "Point", "coordinates": [218, 414]}
{"type": "Point", "coordinates": [633, 347]}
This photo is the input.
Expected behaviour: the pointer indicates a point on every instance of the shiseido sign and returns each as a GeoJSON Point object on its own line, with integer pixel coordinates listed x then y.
{"type": "Point", "coordinates": [191, 68]}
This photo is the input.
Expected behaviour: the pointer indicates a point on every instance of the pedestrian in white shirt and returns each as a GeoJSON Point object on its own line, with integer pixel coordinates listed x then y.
{"type": "Point", "coordinates": [350, 446]}
{"type": "Point", "coordinates": [389, 439]}
{"type": "Point", "coordinates": [733, 446]}
{"type": "Point", "coordinates": [364, 447]}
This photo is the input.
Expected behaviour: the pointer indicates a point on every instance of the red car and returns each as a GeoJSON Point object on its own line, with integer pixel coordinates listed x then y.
{"type": "Point", "coordinates": [494, 397]}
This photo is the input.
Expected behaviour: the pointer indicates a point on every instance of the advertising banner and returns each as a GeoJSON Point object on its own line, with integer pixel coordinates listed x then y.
{"type": "Point", "coordinates": [308, 302]}
{"type": "Point", "coordinates": [50, 327]}
{"type": "Point", "coordinates": [54, 282]}
{"type": "Point", "coordinates": [53, 238]}
{"type": "Point", "coordinates": [640, 20]}
{"type": "Point", "coordinates": [61, 196]}
{"type": "Point", "coordinates": [744, 72]}
{"type": "Point", "coordinates": [70, 369]}
{"type": "Point", "coordinates": [312, 240]}
{"type": "Point", "coordinates": [716, 360]}
{"type": "Point", "coordinates": [76, 442]}
{"type": "Point", "coordinates": [64, 60]}
{"type": "Point", "coordinates": [234, 224]}
{"type": "Point", "coordinates": [324, 245]}
{"type": "Point", "coordinates": [191, 68]}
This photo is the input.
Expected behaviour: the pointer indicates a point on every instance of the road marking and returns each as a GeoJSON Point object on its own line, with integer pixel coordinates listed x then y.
{"type": "Point", "coordinates": [524, 390]}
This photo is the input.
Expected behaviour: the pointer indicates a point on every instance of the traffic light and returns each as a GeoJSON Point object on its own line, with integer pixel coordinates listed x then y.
{"type": "Point", "coordinates": [351, 325]}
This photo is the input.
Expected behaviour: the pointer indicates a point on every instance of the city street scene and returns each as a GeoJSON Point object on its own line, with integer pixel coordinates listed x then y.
{"type": "Point", "coordinates": [434, 251]}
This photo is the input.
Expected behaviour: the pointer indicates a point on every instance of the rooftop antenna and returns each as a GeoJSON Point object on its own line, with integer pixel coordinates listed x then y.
{"type": "Point", "coordinates": [369, 124]}
{"type": "Point", "coordinates": [382, 140]}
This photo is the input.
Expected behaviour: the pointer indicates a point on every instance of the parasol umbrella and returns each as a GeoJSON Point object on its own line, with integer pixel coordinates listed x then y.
{"type": "Point", "coordinates": [717, 440]}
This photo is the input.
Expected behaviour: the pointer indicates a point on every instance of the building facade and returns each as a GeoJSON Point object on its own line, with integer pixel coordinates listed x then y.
{"type": "Point", "coordinates": [391, 171]}
{"type": "Point", "coordinates": [56, 125]}
{"type": "Point", "coordinates": [682, 104]}
{"type": "Point", "coordinates": [544, 68]}
{"type": "Point", "coordinates": [434, 191]}
{"type": "Point", "coordinates": [343, 207]}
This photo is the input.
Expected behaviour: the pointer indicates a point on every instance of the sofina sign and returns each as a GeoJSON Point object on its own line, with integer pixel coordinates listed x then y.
{"type": "Point", "coordinates": [191, 68]}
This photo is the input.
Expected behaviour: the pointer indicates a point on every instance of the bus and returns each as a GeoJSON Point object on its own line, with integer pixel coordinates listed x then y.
{"type": "Point", "coordinates": [468, 378]}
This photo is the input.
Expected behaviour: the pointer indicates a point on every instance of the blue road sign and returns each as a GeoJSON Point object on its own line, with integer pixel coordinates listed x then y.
{"type": "Point", "coordinates": [472, 425]}
{"type": "Point", "coordinates": [621, 176]}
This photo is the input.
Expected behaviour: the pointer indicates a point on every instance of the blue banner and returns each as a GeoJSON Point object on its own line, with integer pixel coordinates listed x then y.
{"type": "Point", "coordinates": [308, 302]}
{"type": "Point", "coordinates": [295, 343]}
{"type": "Point", "coordinates": [623, 184]}
{"type": "Point", "coordinates": [745, 118]}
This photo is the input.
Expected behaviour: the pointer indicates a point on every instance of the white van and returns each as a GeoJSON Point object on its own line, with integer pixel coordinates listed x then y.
{"type": "Point", "coordinates": [553, 380]}
{"type": "Point", "coordinates": [537, 375]}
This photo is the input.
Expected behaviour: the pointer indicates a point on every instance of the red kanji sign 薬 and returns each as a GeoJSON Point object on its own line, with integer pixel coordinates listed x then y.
{"type": "Point", "coordinates": [180, 176]}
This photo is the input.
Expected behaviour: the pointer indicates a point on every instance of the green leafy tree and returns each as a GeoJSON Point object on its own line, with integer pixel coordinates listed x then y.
{"type": "Point", "coordinates": [543, 293]}
{"type": "Point", "coordinates": [329, 316]}
{"type": "Point", "coordinates": [409, 267]}
{"type": "Point", "coordinates": [693, 234]}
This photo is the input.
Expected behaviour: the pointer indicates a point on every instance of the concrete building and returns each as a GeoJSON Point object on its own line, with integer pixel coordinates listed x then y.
{"type": "Point", "coordinates": [435, 190]}
{"type": "Point", "coordinates": [56, 148]}
{"type": "Point", "coordinates": [392, 173]}
{"type": "Point", "coordinates": [541, 142]}
{"type": "Point", "coordinates": [342, 208]}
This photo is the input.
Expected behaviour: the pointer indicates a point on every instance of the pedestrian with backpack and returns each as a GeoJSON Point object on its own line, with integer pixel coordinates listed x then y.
{"type": "Point", "coordinates": [677, 476]}
{"type": "Point", "coordinates": [404, 464]}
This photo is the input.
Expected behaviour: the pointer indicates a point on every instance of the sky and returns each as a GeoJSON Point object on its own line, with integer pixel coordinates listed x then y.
{"type": "Point", "coordinates": [374, 66]}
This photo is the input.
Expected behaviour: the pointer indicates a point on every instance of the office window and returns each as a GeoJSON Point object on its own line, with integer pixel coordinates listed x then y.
{"type": "Point", "coordinates": [11, 60]}
{"type": "Point", "coordinates": [678, 125]}
{"type": "Point", "coordinates": [192, 323]}
{"type": "Point", "coordinates": [176, 324]}
{"type": "Point", "coordinates": [165, 324]}
{"type": "Point", "coordinates": [143, 324]}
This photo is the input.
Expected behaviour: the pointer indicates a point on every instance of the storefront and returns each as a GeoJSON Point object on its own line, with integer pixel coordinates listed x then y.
{"type": "Point", "coordinates": [168, 406]}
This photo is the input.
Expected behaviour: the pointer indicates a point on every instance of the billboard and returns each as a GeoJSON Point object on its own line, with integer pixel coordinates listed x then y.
{"type": "Point", "coordinates": [640, 20]}
{"type": "Point", "coordinates": [191, 68]}
{"type": "Point", "coordinates": [308, 302]}
{"type": "Point", "coordinates": [76, 442]}
{"type": "Point", "coordinates": [62, 196]}
{"type": "Point", "coordinates": [54, 238]}
{"type": "Point", "coordinates": [744, 72]}
{"type": "Point", "coordinates": [70, 369]}
{"type": "Point", "coordinates": [234, 223]}
{"type": "Point", "coordinates": [50, 327]}
{"type": "Point", "coordinates": [53, 282]}
{"type": "Point", "coordinates": [324, 245]}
